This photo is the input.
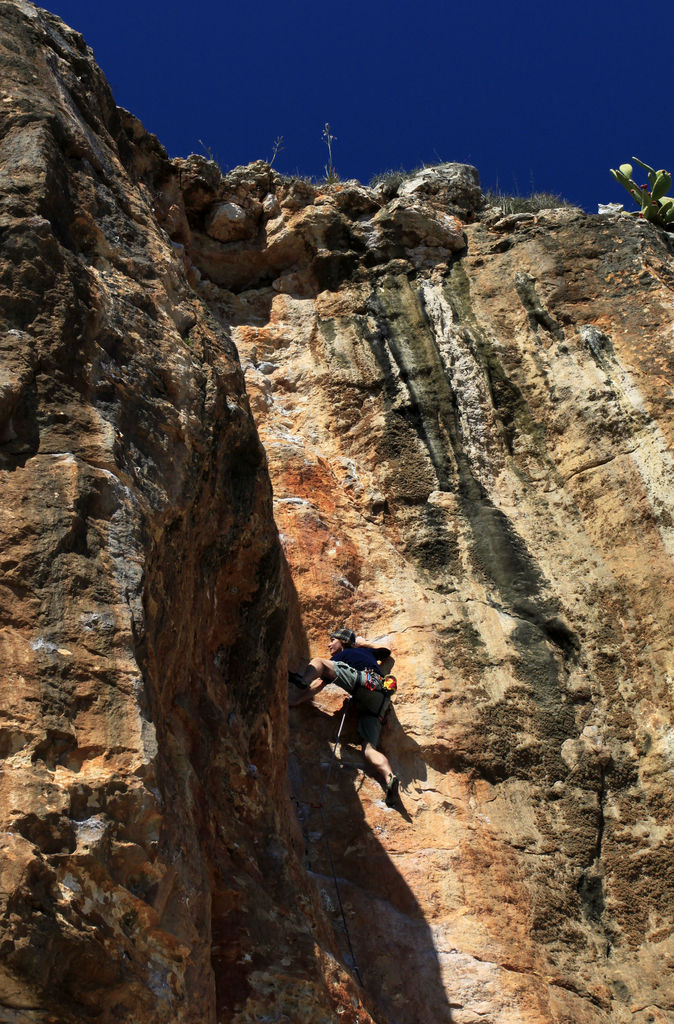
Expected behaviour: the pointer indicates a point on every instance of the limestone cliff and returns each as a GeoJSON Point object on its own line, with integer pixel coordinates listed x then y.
{"type": "Point", "coordinates": [466, 419]}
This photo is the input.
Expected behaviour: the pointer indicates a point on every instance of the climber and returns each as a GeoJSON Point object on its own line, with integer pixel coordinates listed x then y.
{"type": "Point", "coordinates": [354, 664]}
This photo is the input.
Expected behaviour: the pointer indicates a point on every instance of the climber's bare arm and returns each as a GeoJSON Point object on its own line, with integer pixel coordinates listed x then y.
{"type": "Point", "coordinates": [382, 645]}
{"type": "Point", "coordinates": [362, 642]}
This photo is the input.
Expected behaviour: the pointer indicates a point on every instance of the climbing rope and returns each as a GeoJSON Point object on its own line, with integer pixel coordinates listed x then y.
{"type": "Point", "coordinates": [327, 844]}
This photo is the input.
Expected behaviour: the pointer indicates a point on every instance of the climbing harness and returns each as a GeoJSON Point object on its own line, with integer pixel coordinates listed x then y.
{"type": "Point", "coordinates": [375, 681]}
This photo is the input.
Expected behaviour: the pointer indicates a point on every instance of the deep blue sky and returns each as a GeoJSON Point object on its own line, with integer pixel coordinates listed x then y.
{"type": "Point", "coordinates": [536, 95]}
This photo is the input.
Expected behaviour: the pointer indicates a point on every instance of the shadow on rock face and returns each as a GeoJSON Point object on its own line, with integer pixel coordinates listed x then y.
{"type": "Point", "coordinates": [346, 827]}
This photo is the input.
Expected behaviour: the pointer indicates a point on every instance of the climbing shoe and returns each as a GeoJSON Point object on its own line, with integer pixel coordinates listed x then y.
{"type": "Point", "coordinates": [297, 680]}
{"type": "Point", "coordinates": [392, 787]}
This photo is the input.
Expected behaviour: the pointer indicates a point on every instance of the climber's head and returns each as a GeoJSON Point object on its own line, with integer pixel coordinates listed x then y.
{"type": "Point", "coordinates": [346, 638]}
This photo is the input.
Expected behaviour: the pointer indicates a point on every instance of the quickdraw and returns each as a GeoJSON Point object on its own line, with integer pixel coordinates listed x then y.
{"type": "Point", "coordinates": [371, 680]}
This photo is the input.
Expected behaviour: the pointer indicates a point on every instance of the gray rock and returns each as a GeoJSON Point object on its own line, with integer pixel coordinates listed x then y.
{"type": "Point", "coordinates": [271, 206]}
{"type": "Point", "coordinates": [410, 224]}
{"type": "Point", "coordinates": [228, 222]}
{"type": "Point", "coordinates": [457, 184]}
{"type": "Point", "coordinates": [607, 208]}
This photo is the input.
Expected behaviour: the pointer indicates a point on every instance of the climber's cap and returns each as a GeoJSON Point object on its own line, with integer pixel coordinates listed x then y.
{"type": "Point", "coordinates": [345, 636]}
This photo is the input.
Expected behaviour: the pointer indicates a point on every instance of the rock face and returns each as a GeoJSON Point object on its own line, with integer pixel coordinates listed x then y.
{"type": "Point", "coordinates": [472, 455]}
{"type": "Point", "coordinates": [466, 419]}
{"type": "Point", "coordinates": [148, 870]}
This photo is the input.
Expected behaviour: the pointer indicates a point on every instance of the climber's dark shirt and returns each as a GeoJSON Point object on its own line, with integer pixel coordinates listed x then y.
{"type": "Point", "coordinates": [358, 657]}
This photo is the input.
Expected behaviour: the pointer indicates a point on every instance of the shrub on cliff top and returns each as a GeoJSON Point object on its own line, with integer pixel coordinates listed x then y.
{"type": "Point", "coordinates": [390, 181]}
{"type": "Point", "coordinates": [533, 203]}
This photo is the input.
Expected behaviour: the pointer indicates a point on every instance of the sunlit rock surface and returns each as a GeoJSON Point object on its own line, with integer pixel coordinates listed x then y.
{"type": "Point", "coordinates": [467, 422]}
{"type": "Point", "coordinates": [473, 456]}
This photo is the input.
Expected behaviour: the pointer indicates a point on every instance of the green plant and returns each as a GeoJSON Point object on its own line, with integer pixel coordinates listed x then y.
{"type": "Point", "coordinates": [331, 175]}
{"type": "Point", "coordinates": [656, 206]}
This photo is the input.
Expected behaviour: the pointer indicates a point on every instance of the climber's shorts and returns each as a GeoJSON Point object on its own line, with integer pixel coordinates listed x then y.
{"type": "Point", "coordinates": [369, 724]}
{"type": "Point", "coordinates": [347, 676]}
{"type": "Point", "coordinates": [369, 728]}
